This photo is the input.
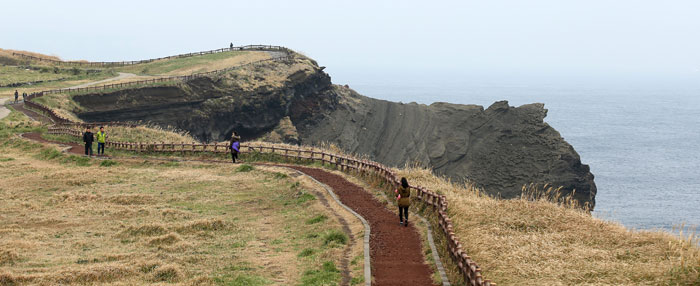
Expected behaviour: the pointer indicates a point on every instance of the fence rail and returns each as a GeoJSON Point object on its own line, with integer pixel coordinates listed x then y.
{"type": "Point", "coordinates": [127, 63]}
{"type": "Point", "coordinates": [470, 271]}
{"type": "Point", "coordinates": [61, 120]}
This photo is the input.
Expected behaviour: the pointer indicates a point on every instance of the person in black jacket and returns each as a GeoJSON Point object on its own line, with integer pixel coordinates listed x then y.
{"type": "Point", "coordinates": [88, 138]}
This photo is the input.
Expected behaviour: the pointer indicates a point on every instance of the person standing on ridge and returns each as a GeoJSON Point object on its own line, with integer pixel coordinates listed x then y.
{"type": "Point", "coordinates": [235, 146]}
{"type": "Point", "coordinates": [101, 140]}
{"type": "Point", "coordinates": [404, 201]}
{"type": "Point", "coordinates": [16, 95]}
{"type": "Point", "coordinates": [88, 138]}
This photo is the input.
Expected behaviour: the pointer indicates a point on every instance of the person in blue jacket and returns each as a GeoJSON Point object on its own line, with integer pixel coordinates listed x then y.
{"type": "Point", "coordinates": [235, 146]}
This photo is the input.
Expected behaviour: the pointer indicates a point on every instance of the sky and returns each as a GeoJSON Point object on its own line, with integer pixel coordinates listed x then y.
{"type": "Point", "coordinates": [632, 38]}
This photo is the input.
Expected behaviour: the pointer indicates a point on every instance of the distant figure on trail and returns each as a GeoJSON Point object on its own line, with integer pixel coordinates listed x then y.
{"type": "Point", "coordinates": [231, 46]}
{"type": "Point", "coordinates": [403, 196]}
{"type": "Point", "coordinates": [88, 138]}
{"type": "Point", "coordinates": [101, 140]}
{"type": "Point", "coordinates": [235, 146]}
{"type": "Point", "coordinates": [16, 95]}
{"type": "Point", "coordinates": [24, 96]}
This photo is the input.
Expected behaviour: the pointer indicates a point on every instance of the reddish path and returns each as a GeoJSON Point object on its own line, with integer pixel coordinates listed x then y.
{"type": "Point", "coordinates": [395, 250]}
{"type": "Point", "coordinates": [75, 148]}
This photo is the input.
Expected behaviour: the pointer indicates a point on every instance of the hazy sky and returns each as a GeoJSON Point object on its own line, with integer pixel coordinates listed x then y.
{"type": "Point", "coordinates": [573, 37]}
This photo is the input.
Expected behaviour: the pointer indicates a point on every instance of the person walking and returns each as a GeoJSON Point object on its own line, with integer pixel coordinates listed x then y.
{"type": "Point", "coordinates": [235, 146]}
{"type": "Point", "coordinates": [101, 140]}
{"type": "Point", "coordinates": [16, 95]}
{"type": "Point", "coordinates": [231, 46]}
{"type": "Point", "coordinates": [403, 198]}
{"type": "Point", "coordinates": [24, 96]}
{"type": "Point", "coordinates": [88, 138]}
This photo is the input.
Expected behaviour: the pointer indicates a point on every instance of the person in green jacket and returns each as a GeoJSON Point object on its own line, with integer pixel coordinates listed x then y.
{"type": "Point", "coordinates": [404, 201]}
{"type": "Point", "coordinates": [101, 140]}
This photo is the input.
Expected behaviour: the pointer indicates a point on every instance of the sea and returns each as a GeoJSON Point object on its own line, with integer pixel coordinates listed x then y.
{"type": "Point", "coordinates": [640, 136]}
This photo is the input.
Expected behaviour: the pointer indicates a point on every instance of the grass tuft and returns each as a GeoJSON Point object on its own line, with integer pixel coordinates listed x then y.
{"type": "Point", "coordinates": [327, 275]}
{"type": "Point", "coordinates": [335, 236]}
{"type": "Point", "coordinates": [108, 163]}
{"type": "Point", "coordinates": [167, 273]}
{"type": "Point", "coordinates": [307, 252]}
{"type": "Point", "coordinates": [316, 219]}
{"type": "Point", "coordinates": [244, 168]}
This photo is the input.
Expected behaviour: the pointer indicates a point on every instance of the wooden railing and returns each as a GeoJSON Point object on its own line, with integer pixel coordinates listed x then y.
{"type": "Point", "coordinates": [467, 267]}
{"type": "Point", "coordinates": [161, 79]}
{"type": "Point", "coordinates": [127, 63]}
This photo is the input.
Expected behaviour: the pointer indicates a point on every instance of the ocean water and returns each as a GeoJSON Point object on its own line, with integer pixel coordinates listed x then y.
{"type": "Point", "coordinates": [641, 138]}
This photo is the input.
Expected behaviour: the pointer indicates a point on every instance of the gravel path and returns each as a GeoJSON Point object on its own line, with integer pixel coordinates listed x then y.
{"type": "Point", "coordinates": [3, 110]}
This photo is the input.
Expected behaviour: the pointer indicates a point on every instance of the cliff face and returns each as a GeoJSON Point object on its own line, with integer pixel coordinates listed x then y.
{"type": "Point", "coordinates": [501, 148]}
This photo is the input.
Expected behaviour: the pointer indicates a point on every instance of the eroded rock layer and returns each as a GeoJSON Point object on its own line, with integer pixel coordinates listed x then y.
{"type": "Point", "coordinates": [501, 148]}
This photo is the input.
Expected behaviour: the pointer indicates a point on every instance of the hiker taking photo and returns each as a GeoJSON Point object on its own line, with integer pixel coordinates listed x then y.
{"type": "Point", "coordinates": [235, 146]}
{"type": "Point", "coordinates": [101, 140]}
{"type": "Point", "coordinates": [403, 195]}
{"type": "Point", "coordinates": [88, 138]}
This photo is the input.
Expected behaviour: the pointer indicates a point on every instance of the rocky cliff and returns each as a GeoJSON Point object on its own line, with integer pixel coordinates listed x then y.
{"type": "Point", "coordinates": [501, 148]}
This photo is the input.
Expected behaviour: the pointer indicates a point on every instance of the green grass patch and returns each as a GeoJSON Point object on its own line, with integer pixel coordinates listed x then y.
{"type": "Point", "coordinates": [307, 252]}
{"type": "Point", "coordinates": [49, 154]}
{"type": "Point", "coordinates": [327, 275]}
{"type": "Point", "coordinates": [168, 65]}
{"type": "Point", "coordinates": [244, 168]}
{"type": "Point", "coordinates": [108, 163]}
{"type": "Point", "coordinates": [335, 236]}
{"type": "Point", "coordinates": [279, 175]}
{"type": "Point", "coordinates": [316, 219]}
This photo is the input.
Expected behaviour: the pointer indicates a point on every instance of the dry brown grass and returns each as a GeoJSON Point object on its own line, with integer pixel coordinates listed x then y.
{"type": "Point", "coordinates": [537, 242]}
{"type": "Point", "coordinates": [142, 222]}
{"type": "Point", "coordinates": [8, 53]}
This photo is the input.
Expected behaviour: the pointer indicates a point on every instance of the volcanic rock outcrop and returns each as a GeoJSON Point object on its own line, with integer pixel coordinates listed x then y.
{"type": "Point", "coordinates": [500, 148]}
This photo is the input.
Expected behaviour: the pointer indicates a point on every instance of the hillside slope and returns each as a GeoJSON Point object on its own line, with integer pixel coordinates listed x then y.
{"type": "Point", "coordinates": [501, 148]}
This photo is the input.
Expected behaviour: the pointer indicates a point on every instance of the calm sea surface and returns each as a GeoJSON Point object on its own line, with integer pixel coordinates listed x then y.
{"type": "Point", "coordinates": [640, 138]}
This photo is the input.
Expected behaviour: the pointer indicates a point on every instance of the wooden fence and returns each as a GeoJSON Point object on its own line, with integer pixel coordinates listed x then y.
{"type": "Point", "coordinates": [161, 79]}
{"type": "Point", "coordinates": [438, 203]}
{"type": "Point", "coordinates": [127, 63]}
{"type": "Point", "coordinates": [60, 120]}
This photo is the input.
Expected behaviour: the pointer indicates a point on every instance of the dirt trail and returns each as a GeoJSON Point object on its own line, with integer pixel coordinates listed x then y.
{"type": "Point", "coordinates": [122, 75]}
{"type": "Point", "coordinates": [397, 258]}
{"type": "Point", "coordinates": [3, 110]}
